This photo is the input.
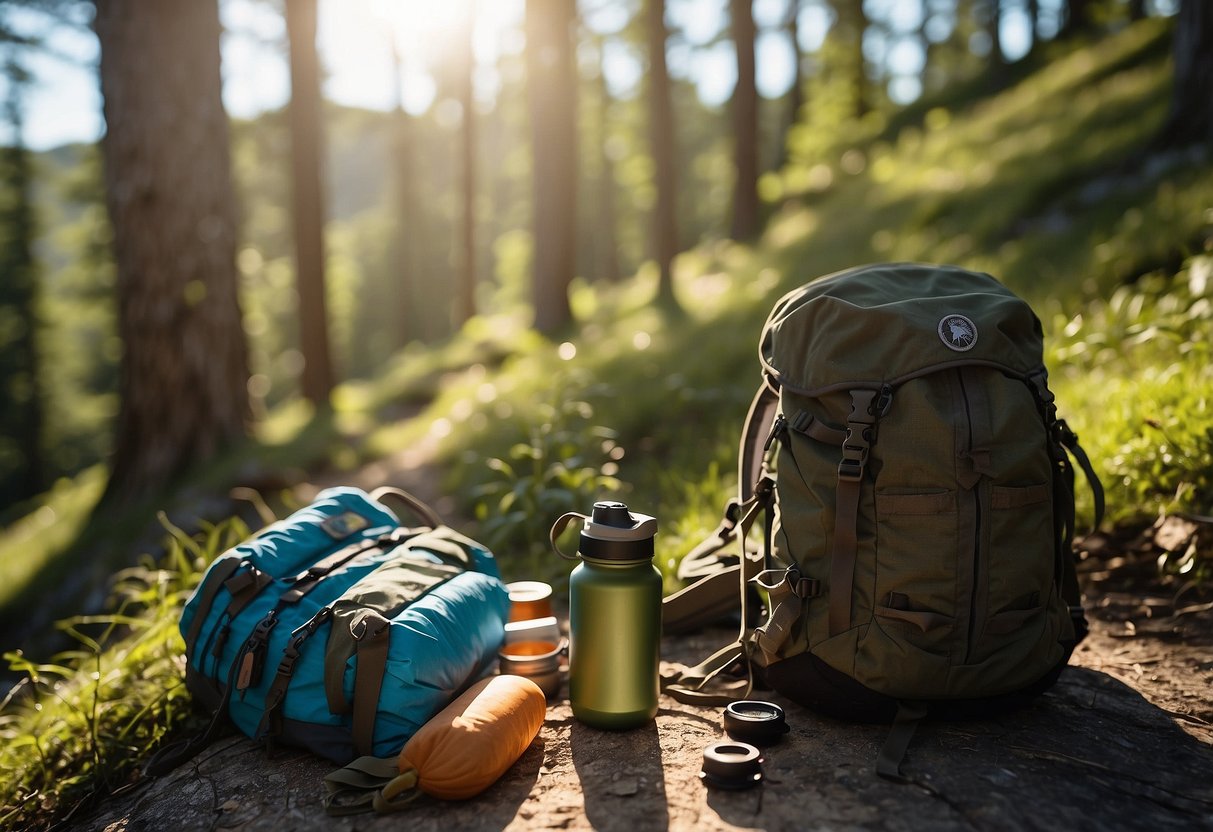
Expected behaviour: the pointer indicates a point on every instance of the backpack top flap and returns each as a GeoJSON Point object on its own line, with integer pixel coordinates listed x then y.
{"type": "Point", "coordinates": [896, 320]}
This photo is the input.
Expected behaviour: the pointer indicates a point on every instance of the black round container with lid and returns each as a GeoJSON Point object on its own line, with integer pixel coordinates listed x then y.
{"type": "Point", "coordinates": [755, 721]}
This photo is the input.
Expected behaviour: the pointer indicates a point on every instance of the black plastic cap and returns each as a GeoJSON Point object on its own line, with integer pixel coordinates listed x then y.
{"type": "Point", "coordinates": [756, 722]}
{"type": "Point", "coordinates": [731, 765]}
{"type": "Point", "coordinates": [608, 513]}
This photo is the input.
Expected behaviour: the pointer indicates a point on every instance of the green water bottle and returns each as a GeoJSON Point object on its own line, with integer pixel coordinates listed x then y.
{"type": "Point", "coordinates": [614, 618]}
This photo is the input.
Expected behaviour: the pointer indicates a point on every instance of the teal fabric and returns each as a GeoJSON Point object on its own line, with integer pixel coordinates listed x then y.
{"type": "Point", "coordinates": [437, 645]}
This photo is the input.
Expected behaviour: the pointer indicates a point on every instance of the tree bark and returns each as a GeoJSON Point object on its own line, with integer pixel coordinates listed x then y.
{"type": "Point", "coordinates": [607, 237]}
{"type": "Point", "coordinates": [1078, 18]}
{"type": "Point", "coordinates": [745, 124]}
{"type": "Point", "coordinates": [796, 91]}
{"type": "Point", "coordinates": [661, 143]}
{"type": "Point", "coordinates": [998, 60]}
{"type": "Point", "coordinates": [404, 261]}
{"type": "Point", "coordinates": [307, 148]}
{"type": "Point", "coordinates": [22, 473]}
{"type": "Point", "coordinates": [184, 372]}
{"type": "Point", "coordinates": [466, 296]}
{"type": "Point", "coordinates": [1190, 121]}
{"type": "Point", "coordinates": [860, 79]}
{"type": "Point", "coordinates": [551, 94]}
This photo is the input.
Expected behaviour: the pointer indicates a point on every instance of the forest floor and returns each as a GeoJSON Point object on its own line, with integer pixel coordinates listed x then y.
{"type": "Point", "coordinates": [1123, 741]}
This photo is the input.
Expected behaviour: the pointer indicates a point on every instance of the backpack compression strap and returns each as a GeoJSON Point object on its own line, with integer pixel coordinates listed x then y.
{"type": "Point", "coordinates": [861, 433]}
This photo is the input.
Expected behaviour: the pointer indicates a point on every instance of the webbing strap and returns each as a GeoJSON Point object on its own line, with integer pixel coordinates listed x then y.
{"type": "Point", "coordinates": [371, 636]}
{"type": "Point", "coordinates": [705, 600]}
{"type": "Point", "coordinates": [757, 425]}
{"type": "Point", "coordinates": [787, 593]}
{"type": "Point", "coordinates": [220, 572]}
{"type": "Point", "coordinates": [275, 697]}
{"type": "Point", "coordinates": [366, 784]}
{"type": "Point", "coordinates": [687, 685]}
{"type": "Point", "coordinates": [174, 754]}
{"type": "Point", "coordinates": [855, 448]}
{"type": "Point", "coordinates": [306, 581]}
{"type": "Point", "coordinates": [893, 753]}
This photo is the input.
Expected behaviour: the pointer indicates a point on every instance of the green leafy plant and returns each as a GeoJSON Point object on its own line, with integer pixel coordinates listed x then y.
{"type": "Point", "coordinates": [77, 727]}
{"type": "Point", "coordinates": [565, 464]}
{"type": "Point", "coordinates": [1137, 371]}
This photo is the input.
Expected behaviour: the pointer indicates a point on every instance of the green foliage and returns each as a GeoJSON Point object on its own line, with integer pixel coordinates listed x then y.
{"type": "Point", "coordinates": [77, 727]}
{"type": "Point", "coordinates": [1137, 369]}
{"type": "Point", "coordinates": [566, 463]}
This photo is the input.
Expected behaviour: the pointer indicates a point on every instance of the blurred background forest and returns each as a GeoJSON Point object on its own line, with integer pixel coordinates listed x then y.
{"type": "Point", "coordinates": [419, 198]}
{"type": "Point", "coordinates": [249, 248]}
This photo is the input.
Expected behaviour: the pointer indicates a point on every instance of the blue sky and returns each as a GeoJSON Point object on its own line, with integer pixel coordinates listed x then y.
{"type": "Point", "coordinates": [64, 103]}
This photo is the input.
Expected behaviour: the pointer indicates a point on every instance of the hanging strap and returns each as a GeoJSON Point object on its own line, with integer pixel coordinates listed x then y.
{"type": "Point", "coordinates": [861, 433]}
{"type": "Point", "coordinates": [215, 579]}
{"type": "Point", "coordinates": [893, 753]}
{"type": "Point", "coordinates": [371, 637]}
{"type": "Point", "coordinates": [1062, 445]}
{"type": "Point", "coordinates": [688, 685]}
{"type": "Point", "coordinates": [713, 592]}
{"type": "Point", "coordinates": [787, 589]}
{"type": "Point", "coordinates": [174, 754]}
{"type": "Point", "coordinates": [275, 698]}
{"type": "Point", "coordinates": [713, 575]}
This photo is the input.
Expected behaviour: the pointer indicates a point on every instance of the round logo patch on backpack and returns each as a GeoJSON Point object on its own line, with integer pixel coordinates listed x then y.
{"type": "Point", "coordinates": [957, 332]}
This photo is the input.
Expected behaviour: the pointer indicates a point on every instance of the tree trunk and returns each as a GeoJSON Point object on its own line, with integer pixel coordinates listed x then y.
{"type": "Point", "coordinates": [465, 298]}
{"type": "Point", "coordinates": [860, 80]}
{"type": "Point", "coordinates": [307, 147]}
{"type": "Point", "coordinates": [796, 91]}
{"type": "Point", "coordinates": [404, 262]}
{"type": "Point", "coordinates": [998, 59]}
{"type": "Point", "coordinates": [22, 473]}
{"type": "Point", "coordinates": [551, 93]}
{"type": "Point", "coordinates": [745, 124]}
{"type": "Point", "coordinates": [607, 237]}
{"type": "Point", "coordinates": [661, 142]}
{"type": "Point", "coordinates": [184, 375]}
{"type": "Point", "coordinates": [1191, 118]}
{"type": "Point", "coordinates": [1078, 18]}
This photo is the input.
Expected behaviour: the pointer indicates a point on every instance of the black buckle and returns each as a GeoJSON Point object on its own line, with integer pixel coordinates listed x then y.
{"type": "Point", "coordinates": [360, 629]}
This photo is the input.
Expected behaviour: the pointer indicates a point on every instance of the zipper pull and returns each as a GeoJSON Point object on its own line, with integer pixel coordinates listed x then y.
{"type": "Point", "coordinates": [252, 658]}
{"type": "Point", "coordinates": [777, 429]}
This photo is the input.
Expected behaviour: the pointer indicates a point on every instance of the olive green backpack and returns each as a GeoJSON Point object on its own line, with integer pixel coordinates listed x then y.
{"type": "Point", "coordinates": [917, 498]}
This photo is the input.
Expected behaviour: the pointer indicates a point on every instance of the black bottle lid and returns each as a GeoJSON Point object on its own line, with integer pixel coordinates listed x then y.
{"type": "Point", "coordinates": [731, 765]}
{"type": "Point", "coordinates": [755, 721]}
{"type": "Point", "coordinates": [614, 533]}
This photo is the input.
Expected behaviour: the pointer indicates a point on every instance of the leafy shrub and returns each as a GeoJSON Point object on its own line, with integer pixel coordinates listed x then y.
{"type": "Point", "coordinates": [566, 463]}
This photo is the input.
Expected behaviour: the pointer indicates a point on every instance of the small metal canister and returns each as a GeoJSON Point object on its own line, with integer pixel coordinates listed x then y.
{"type": "Point", "coordinates": [538, 661]}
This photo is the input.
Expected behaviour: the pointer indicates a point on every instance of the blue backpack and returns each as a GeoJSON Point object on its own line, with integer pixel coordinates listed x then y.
{"type": "Point", "coordinates": [339, 629]}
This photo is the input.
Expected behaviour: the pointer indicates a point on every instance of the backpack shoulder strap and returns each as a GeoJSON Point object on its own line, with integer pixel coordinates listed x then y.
{"type": "Point", "coordinates": [714, 575]}
{"type": "Point", "coordinates": [753, 438]}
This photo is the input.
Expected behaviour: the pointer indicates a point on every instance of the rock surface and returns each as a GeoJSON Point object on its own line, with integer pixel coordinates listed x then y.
{"type": "Point", "coordinates": [1112, 746]}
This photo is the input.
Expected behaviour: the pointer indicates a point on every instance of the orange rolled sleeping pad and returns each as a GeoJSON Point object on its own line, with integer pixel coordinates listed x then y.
{"type": "Point", "coordinates": [471, 742]}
